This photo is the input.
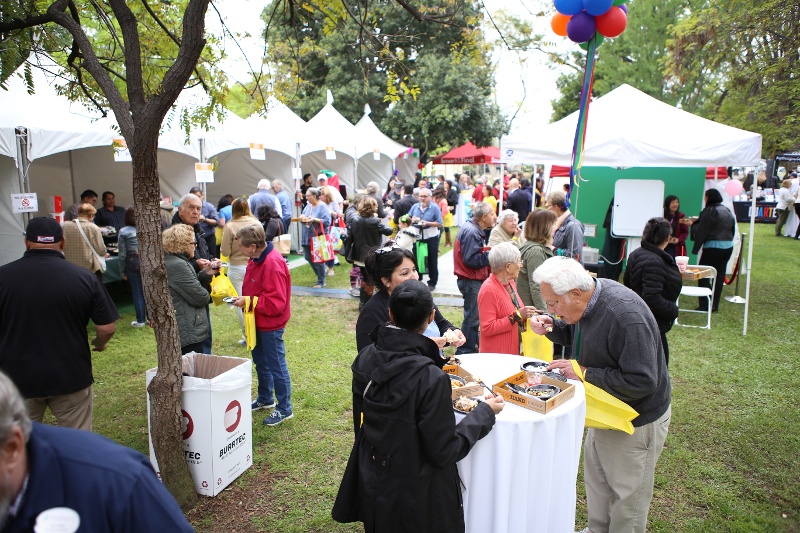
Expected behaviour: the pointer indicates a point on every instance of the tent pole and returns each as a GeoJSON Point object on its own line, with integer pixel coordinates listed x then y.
{"type": "Point", "coordinates": [750, 255]}
{"type": "Point", "coordinates": [296, 229]}
{"type": "Point", "coordinates": [202, 143]}
{"type": "Point", "coordinates": [22, 167]}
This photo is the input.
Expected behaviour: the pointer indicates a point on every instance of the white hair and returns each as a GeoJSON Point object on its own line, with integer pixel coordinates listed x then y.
{"type": "Point", "coordinates": [502, 254]}
{"type": "Point", "coordinates": [372, 187]}
{"type": "Point", "coordinates": [563, 274]}
{"type": "Point", "coordinates": [277, 184]}
{"type": "Point", "coordinates": [480, 210]}
{"type": "Point", "coordinates": [12, 410]}
{"type": "Point", "coordinates": [186, 197]}
{"type": "Point", "coordinates": [505, 214]}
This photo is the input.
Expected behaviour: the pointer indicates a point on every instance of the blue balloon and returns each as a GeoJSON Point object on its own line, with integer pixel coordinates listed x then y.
{"type": "Point", "coordinates": [568, 7]}
{"type": "Point", "coordinates": [597, 7]}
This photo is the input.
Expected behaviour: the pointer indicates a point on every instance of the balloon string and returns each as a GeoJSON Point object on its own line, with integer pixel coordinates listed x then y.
{"type": "Point", "coordinates": [583, 117]}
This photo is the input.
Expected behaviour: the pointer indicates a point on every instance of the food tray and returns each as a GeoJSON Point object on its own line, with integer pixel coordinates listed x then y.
{"type": "Point", "coordinates": [695, 273]}
{"type": "Point", "coordinates": [543, 407]}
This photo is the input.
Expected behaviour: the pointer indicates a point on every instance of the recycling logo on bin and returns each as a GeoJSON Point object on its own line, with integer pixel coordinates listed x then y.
{"type": "Point", "coordinates": [188, 425]}
{"type": "Point", "coordinates": [233, 415]}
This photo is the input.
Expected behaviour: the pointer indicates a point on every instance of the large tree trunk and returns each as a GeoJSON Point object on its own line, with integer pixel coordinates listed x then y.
{"type": "Point", "coordinates": [165, 388]}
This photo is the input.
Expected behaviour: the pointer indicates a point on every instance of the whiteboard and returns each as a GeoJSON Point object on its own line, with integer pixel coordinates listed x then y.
{"type": "Point", "coordinates": [636, 202]}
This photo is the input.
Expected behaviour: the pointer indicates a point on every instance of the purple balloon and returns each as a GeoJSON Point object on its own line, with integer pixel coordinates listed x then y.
{"type": "Point", "coordinates": [568, 7]}
{"type": "Point", "coordinates": [581, 27]}
{"type": "Point", "coordinates": [624, 8]}
{"type": "Point", "coordinates": [597, 7]}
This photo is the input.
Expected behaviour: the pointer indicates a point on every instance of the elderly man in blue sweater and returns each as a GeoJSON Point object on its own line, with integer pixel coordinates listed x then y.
{"type": "Point", "coordinates": [616, 342]}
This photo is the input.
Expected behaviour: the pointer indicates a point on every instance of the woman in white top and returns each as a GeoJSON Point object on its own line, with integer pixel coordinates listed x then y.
{"type": "Point", "coordinates": [785, 205]}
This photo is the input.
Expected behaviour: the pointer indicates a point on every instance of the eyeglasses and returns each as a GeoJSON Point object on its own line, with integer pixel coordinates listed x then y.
{"type": "Point", "coordinates": [193, 244]}
{"type": "Point", "coordinates": [388, 248]}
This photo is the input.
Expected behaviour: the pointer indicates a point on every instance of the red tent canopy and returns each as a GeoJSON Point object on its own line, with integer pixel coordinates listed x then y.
{"type": "Point", "coordinates": [563, 172]}
{"type": "Point", "coordinates": [469, 154]}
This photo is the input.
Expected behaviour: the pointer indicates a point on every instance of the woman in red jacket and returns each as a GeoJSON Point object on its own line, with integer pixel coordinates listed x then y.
{"type": "Point", "coordinates": [502, 314]}
{"type": "Point", "coordinates": [267, 277]}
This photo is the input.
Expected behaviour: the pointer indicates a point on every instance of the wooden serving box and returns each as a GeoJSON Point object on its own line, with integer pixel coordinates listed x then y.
{"type": "Point", "coordinates": [696, 273]}
{"type": "Point", "coordinates": [534, 404]}
{"type": "Point", "coordinates": [470, 391]}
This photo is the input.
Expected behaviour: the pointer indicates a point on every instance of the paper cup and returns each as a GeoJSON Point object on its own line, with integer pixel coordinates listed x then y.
{"type": "Point", "coordinates": [682, 261]}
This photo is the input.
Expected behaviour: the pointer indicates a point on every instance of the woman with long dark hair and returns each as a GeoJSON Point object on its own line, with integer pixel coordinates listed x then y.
{"type": "Point", "coordinates": [388, 266]}
{"type": "Point", "coordinates": [652, 274]}
{"type": "Point", "coordinates": [678, 231]}
{"type": "Point", "coordinates": [714, 232]}
{"type": "Point", "coordinates": [402, 473]}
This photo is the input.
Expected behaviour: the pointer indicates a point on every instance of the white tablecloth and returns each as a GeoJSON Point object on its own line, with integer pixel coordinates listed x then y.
{"type": "Point", "coordinates": [522, 476]}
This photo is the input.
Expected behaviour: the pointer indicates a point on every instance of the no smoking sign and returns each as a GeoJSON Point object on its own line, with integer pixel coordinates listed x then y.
{"type": "Point", "coordinates": [24, 203]}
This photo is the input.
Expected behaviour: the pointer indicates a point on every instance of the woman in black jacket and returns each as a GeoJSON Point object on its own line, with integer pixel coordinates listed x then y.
{"type": "Point", "coordinates": [388, 267]}
{"type": "Point", "coordinates": [653, 275]}
{"type": "Point", "coordinates": [402, 473]}
{"type": "Point", "coordinates": [714, 232]}
{"type": "Point", "coordinates": [366, 231]}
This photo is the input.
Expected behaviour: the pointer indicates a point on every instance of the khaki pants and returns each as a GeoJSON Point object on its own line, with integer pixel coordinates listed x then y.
{"type": "Point", "coordinates": [618, 471]}
{"type": "Point", "coordinates": [72, 410]}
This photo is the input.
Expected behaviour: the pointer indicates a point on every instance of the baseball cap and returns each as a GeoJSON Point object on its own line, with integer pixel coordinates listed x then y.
{"type": "Point", "coordinates": [322, 177]}
{"type": "Point", "coordinates": [44, 230]}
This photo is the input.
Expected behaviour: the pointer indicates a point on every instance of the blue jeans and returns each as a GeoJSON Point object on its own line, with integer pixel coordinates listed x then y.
{"type": "Point", "coordinates": [135, 280]}
{"type": "Point", "coordinates": [207, 343]}
{"type": "Point", "coordinates": [319, 268]}
{"type": "Point", "coordinates": [269, 356]}
{"type": "Point", "coordinates": [469, 290]}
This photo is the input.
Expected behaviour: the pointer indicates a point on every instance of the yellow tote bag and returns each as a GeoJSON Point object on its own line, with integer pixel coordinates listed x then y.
{"type": "Point", "coordinates": [604, 411]}
{"type": "Point", "coordinates": [249, 311]}
{"type": "Point", "coordinates": [536, 346]}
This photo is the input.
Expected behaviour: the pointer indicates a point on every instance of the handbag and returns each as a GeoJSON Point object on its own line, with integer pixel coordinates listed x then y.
{"type": "Point", "coordinates": [101, 261]}
{"type": "Point", "coordinates": [321, 247]}
{"type": "Point", "coordinates": [337, 232]}
{"type": "Point", "coordinates": [221, 287]}
{"type": "Point", "coordinates": [347, 247]}
{"type": "Point", "coordinates": [283, 243]}
{"type": "Point", "coordinates": [249, 313]}
{"type": "Point", "coordinates": [536, 346]}
{"type": "Point", "coordinates": [604, 411]}
{"type": "Point", "coordinates": [421, 252]}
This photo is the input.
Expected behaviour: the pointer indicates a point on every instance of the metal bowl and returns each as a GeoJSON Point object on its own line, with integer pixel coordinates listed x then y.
{"type": "Point", "coordinates": [457, 379]}
{"type": "Point", "coordinates": [543, 392]}
{"type": "Point", "coordinates": [534, 366]}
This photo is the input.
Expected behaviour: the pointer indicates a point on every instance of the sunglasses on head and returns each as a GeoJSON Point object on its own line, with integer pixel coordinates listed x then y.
{"type": "Point", "coordinates": [388, 248]}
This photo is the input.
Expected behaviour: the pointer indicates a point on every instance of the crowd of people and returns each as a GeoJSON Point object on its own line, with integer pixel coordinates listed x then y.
{"type": "Point", "coordinates": [517, 268]}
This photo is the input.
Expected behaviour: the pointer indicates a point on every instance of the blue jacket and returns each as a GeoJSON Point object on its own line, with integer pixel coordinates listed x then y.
{"type": "Point", "coordinates": [110, 487]}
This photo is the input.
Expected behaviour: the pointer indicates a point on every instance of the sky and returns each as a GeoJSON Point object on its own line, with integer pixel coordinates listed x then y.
{"type": "Point", "coordinates": [516, 75]}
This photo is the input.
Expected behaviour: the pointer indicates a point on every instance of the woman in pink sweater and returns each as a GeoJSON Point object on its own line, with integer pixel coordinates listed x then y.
{"type": "Point", "coordinates": [502, 314]}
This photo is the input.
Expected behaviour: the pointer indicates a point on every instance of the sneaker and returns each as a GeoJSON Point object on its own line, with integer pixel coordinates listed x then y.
{"type": "Point", "coordinates": [257, 406]}
{"type": "Point", "coordinates": [136, 324]}
{"type": "Point", "coordinates": [355, 292]}
{"type": "Point", "coordinates": [276, 417]}
{"type": "Point", "coordinates": [243, 342]}
{"type": "Point", "coordinates": [331, 272]}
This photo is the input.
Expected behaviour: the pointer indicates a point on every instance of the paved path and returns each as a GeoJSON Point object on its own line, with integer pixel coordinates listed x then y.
{"type": "Point", "coordinates": [446, 292]}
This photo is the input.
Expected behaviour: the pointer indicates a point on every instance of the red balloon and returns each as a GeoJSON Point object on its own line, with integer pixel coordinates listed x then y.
{"type": "Point", "coordinates": [612, 23]}
{"type": "Point", "coordinates": [559, 24]}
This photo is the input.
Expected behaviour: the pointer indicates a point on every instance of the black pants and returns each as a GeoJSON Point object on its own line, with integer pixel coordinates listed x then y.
{"type": "Point", "coordinates": [432, 262]}
{"type": "Point", "coordinates": [797, 212]}
{"type": "Point", "coordinates": [717, 258]}
{"type": "Point", "coordinates": [666, 347]}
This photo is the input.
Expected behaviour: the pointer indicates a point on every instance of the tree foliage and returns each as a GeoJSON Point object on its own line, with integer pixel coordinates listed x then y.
{"type": "Point", "coordinates": [744, 55]}
{"type": "Point", "coordinates": [384, 56]}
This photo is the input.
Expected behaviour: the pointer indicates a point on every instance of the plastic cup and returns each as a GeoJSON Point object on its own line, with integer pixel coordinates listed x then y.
{"type": "Point", "coordinates": [534, 378]}
{"type": "Point", "coordinates": [682, 261]}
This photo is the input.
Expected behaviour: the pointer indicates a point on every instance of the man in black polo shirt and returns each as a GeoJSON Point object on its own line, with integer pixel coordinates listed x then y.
{"type": "Point", "coordinates": [110, 216]}
{"type": "Point", "coordinates": [46, 303]}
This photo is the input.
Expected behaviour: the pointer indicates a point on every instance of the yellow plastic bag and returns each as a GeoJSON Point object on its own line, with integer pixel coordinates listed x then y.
{"type": "Point", "coordinates": [604, 411]}
{"type": "Point", "coordinates": [536, 346]}
{"type": "Point", "coordinates": [221, 287]}
{"type": "Point", "coordinates": [249, 311]}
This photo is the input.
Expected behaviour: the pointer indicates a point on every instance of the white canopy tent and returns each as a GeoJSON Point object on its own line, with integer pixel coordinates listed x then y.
{"type": "Point", "coordinates": [376, 164]}
{"type": "Point", "coordinates": [627, 128]}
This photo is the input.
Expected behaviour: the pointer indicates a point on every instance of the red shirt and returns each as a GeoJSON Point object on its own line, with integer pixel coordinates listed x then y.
{"type": "Point", "coordinates": [268, 278]}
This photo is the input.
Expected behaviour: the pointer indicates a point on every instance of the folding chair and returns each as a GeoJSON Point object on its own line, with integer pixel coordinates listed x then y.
{"type": "Point", "coordinates": [692, 291]}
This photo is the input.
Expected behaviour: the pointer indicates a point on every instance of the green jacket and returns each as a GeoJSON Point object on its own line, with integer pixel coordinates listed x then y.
{"type": "Point", "coordinates": [533, 255]}
{"type": "Point", "coordinates": [189, 298]}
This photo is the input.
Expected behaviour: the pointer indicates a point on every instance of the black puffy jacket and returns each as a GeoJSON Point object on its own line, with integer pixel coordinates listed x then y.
{"type": "Point", "coordinates": [652, 274]}
{"type": "Point", "coordinates": [407, 475]}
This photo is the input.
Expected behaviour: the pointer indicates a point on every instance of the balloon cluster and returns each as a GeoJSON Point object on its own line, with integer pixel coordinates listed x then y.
{"type": "Point", "coordinates": [580, 20]}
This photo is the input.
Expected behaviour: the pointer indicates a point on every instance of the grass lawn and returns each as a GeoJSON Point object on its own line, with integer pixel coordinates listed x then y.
{"type": "Point", "coordinates": [730, 462]}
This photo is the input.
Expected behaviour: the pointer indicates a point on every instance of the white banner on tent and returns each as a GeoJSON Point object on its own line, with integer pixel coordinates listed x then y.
{"type": "Point", "coordinates": [121, 152]}
{"type": "Point", "coordinates": [24, 203]}
{"type": "Point", "coordinates": [204, 172]}
{"type": "Point", "coordinates": [297, 174]}
{"type": "Point", "coordinates": [376, 155]}
{"type": "Point", "coordinates": [330, 153]}
{"type": "Point", "coordinates": [257, 152]}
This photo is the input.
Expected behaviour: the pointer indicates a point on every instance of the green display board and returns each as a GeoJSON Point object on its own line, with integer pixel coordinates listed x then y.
{"type": "Point", "coordinates": [593, 194]}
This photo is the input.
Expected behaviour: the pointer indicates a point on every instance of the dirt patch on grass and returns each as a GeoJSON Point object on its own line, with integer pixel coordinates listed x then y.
{"type": "Point", "coordinates": [237, 509]}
